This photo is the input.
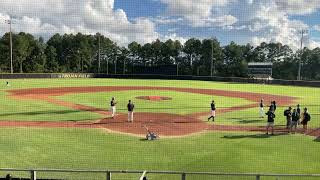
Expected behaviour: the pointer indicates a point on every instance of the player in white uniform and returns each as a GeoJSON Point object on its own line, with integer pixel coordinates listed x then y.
{"type": "Point", "coordinates": [261, 110]}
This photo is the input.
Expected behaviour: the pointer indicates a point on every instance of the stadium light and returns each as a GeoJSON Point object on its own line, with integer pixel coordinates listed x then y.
{"type": "Point", "coordinates": [9, 21]}
{"type": "Point", "coordinates": [118, 52]}
{"type": "Point", "coordinates": [301, 47]}
{"type": "Point", "coordinates": [211, 67]}
{"type": "Point", "coordinates": [99, 59]}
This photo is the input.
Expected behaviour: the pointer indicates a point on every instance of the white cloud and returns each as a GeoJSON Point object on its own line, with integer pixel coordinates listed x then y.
{"type": "Point", "coordinates": [174, 36]}
{"type": "Point", "coordinates": [272, 25]}
{"type": "Point", "coordinates": [314, 44]}
{"type": "Point", "coordinates": [316, 27]}
{"type": "Point", "coordinates": [298, 7]}
{"type": "Point", "coordinates": [165, 20]}
{"type": "Point", "coordinates": [43, 18]}
{"type": "Point", "coordinates": [200, 13]}
{"type": "Point", "coordinates": [258, 20]}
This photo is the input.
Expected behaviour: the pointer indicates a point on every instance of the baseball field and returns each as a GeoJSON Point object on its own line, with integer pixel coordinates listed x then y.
{"type": "Point", "coordinates": [66, 124]}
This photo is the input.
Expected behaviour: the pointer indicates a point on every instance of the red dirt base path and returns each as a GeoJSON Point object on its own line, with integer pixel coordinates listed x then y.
{"type": "Point", "coordinates": [162, 123]}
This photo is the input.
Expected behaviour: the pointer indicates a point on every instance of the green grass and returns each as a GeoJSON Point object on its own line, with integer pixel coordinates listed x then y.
{"type": "Point", "coordinates": [181, 103]}
{"type": "Point", "coordinates": [250, 117]}
{"type": "Point", "coordinates": [210, 151]}
{"type": "Point", "coordinates": [214, 152]}
{"type": "Point", "coordinates": [32, 110]}
{"type": "Point", "coordinates": [35, 110]}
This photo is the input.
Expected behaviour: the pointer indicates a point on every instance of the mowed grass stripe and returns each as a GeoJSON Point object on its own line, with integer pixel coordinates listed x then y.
{"type": "Point", "coordinates": [213, 152]}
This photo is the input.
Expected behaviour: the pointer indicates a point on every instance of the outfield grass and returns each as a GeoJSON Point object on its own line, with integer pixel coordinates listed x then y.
{"type": "Point", "coordinates": [213, 151]}
{"type": "Point", "coordinates": [32, 110]}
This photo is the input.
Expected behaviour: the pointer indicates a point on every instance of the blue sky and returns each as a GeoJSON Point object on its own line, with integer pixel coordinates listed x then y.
{"type": "Point", "coordinates": [124, 21]}
{"type": "Point", "coordinates": [157, 9]}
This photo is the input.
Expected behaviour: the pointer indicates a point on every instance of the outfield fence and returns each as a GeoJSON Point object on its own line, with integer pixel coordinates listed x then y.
{"type": "Point", "coordinates": [161, 76]}
{"type": "Point", "coordinates": [143, 174]}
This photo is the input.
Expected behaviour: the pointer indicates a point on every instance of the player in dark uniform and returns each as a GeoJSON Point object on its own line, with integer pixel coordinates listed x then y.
{"type": "Point", "coordinates": [288, 115]}
{"type": "Point", "coordinates": [298, 109]}
{"type": "Point", "coordinates": [271, 107]}
{"type": "Point", "coordinates": [299, 113]}
{"type": "Point", "coordinates": [275, 106]}
{"type": "Point", "coordinates": [130, 107]}
{"type": "Point", "coordinates": [213, 111]}
{"type": "Point", "coordinates": [270, 122]}
{"type": "Point", "coordinates": [113, 107]}
{"type": "Point", "coordinates": [306, 119]}
{"type": "Point", "coordinates": [295, 120]}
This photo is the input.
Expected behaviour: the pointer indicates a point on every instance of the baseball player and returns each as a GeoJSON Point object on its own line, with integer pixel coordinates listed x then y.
{"type": "Point", "coordinates": [270, 122]}
{"type": "Point", "coordinates": [306, 119]}
{"type": "Point", "coordinates": [213, 111]}
{"type": "Point", "coordinates": [130, 107]}
{"type": "Point", "coordinates": [113, 107]}
{"type": "Point", "coordinates": [295, 119]}
{"type": "Point", "coordinates": [261, 111]}
{"type": "Point", "coordinates": [288, 115]}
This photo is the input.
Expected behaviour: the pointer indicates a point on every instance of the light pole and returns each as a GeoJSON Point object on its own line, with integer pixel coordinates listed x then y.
{"type": "Point", "coordinates": [301, 47]}
{"type": "Point", "coordinates": [115, 64]}
{"type": "Point", "coordinates": [99, 61]}
{"type": "Point", "coordinates": [124, 65]}
{"type": "Point", "coordinates": [211, 67]}
{"type": "Point", "coordinates": [177, 69]}
{"type": "Point", "coordinates": [10, 23]}
{"type": "Point", "coordinates": [116, 59]}
{"type": "Point", "coordinates": [107, 65]}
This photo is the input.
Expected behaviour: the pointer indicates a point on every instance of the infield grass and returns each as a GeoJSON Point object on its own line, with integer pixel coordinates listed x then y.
{"type": "Point", "coordinates": [181, 103]}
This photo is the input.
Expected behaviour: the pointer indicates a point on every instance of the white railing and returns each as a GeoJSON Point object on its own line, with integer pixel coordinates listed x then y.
{"type": "Point", "coordinates": [144, 173]}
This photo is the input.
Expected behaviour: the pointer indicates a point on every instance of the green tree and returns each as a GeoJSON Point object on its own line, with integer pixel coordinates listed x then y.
{"type": "Point", "coordinates": [235, 63]}
{"type": "Point", "coordinates": [23, 44]}
{"type": "Point", "coordinates": [5, 53]}
{"type": "Point", "coordinates": [192, 51]}
{"type": "Point", "coordinates": [51, 64]}
{"type": "Point", "coordinates": [211, 54]}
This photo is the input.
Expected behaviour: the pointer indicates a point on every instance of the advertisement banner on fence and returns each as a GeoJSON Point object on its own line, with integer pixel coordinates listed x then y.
{"type": "Point", "coordinates": [74, 75]}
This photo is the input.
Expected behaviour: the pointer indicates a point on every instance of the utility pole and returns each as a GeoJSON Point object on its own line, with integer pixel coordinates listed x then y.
{"type": "Point", "coordinates": [301, 47]}
{"type": "Point", "coordinates": [99, 60]}
{"type": "Point", "coordinates": [115, 64]}
{"type": "Point", "coordinates": [177, 69]}
{"type": "Point", "coordinates": [107, 65]}
{"type": "Point", "coordinates": [11, 64]}
{"type": "Point", "coordinates": [124, 66]}
{"type": "Point", "coordinates": [211, 67]}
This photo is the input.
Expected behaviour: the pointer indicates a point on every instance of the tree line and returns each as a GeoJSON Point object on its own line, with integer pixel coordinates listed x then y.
{"type": "Point", "coordinates": [75, 53]}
